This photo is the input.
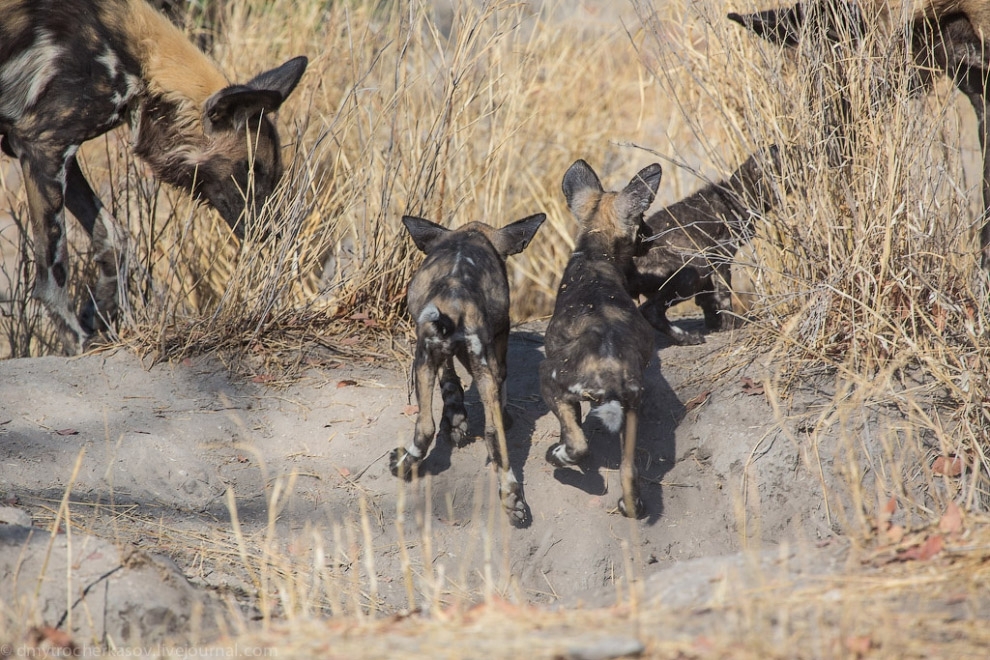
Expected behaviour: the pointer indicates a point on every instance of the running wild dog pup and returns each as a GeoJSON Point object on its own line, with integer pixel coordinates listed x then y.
{"type": "Point", "coordinates": [693, 243]}
{"type": "Point", "coordinates": [459, 299]}
{"type": "Point", "coordinates": [72, 70]}
{"type": "Point", "coordinates": [597, 342]}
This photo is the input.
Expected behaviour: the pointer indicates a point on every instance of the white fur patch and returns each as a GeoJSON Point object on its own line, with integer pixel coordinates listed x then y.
{"type": "Point", "coordinates": [110, 60]}
{"type": "Point", "coordinates": [474, 344]}
{"type": "Point", "coordinates": [582, 390]}
{"type": "Point", "coordinates": [611, 415]}
{"type": "Point", "coordinates": [25, 77]}
{"type": "Point", "coordinates": [429, 314]}
{"type": "Point", "coordinates": [560, 453]}
{"type": "Point", "coordinates": [414, 451]}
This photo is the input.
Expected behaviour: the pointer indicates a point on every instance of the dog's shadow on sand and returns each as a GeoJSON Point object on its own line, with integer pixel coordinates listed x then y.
{"type": "Point", "coordinates": [523, 409]}
{"type": "Point", "coordinates": [659, 414]}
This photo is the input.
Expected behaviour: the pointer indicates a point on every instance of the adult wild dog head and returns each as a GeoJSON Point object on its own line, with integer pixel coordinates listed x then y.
{"type": "Point", "coordinates": [459, 299]}
{"type": "Point", "coordinates": [71, 70]}
{"type": "Point", "coordinates": [597, 342]}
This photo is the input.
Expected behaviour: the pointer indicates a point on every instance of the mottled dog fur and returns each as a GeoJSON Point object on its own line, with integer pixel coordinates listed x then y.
{"type": "Point", "coordinates": [693, 241]}
{"type": "Point", "coordinates": [597, 342]}
{"type": "Point", "coordinates": [459, 299]}
{"type": "Point", "coordinates": [944, 35]}
{"type": "Point", "coordinates": [71, 70]}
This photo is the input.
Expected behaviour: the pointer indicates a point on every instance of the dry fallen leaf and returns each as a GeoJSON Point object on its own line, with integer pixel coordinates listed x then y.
{"type": "Point", "coordinates": [859, 645]}
{"type": "Point", "coordinates": [949, 466]}
{"type": "Point", "coordinates": [410, 411]}
{"type": "Point", "coordinates": [346, 383]}
{"type": "Point", "coordinates": [66, 432]}
{"type": "Point", "coordinates": [51, 638]}
{"type": "Point", "coordinates": [697, 401]}
{"type": "Point", "coordinates": [885, 515]}
{"type": "Point", "coordinates": [923, 551]}
{"type": "Point", "coordinates": [951, 522]}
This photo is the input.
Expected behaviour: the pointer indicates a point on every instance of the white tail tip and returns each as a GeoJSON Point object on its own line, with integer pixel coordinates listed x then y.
{"type": "Point", "coordinates": [610, 413]}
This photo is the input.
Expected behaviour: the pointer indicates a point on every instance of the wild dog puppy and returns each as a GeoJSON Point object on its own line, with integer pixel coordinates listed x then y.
{"type": "Point", "coordinates": [72, 70]}
{"type": "Point", "coordinates": [459, 299]}
{"type": "Point", "coordinates": [597, 342]}
{"type": "Point", "coordinates": [946, 35]}
{"type": "Point", "coordinates": [692, 243]}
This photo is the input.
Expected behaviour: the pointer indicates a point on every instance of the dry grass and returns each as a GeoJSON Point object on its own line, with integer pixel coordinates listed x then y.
{"type": "Point", "coordinates": [865, 275]}
{"type": "Point", "coordinates": [461, 114]}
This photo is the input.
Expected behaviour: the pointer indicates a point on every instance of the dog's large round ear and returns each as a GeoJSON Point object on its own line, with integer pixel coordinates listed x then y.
{"type": "Point", "coordinates": [282, 79]}
{"type": "Point", "coordinates": [778, 26]}
{"type": "Point", "coordinates": [579, 181]}
{"type": "Point", "coordinates": [637, 196]}
{"type": "Point", "coordinates": [233, 106]}
{"type": "Point", "coordinates": [513, 238]}
{"type": "Point", "coordinates": [424, 233]}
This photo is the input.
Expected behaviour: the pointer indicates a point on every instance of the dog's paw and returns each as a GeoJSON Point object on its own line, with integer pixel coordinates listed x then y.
{"type": "Point", "coordinates": [638, 510]}
{"type": "Point", "coordinates": [403, 464]}
{"type": "Point", "coordinates": [453, 429]}
{"type": "Point", "coordinates": [559, 456]}
{"type": "Point", "coordinates": [514, 504]}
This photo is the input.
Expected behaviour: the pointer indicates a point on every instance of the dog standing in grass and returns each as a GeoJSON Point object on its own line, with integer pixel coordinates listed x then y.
{"type": "Point", "coordinates": [694, 241]}
{"type": "Point", "coordinates": [71, 71]}
{"type": "Point", "coordinates": [597, 342]}
{"type": "Point", "coordinates": [459, 299]}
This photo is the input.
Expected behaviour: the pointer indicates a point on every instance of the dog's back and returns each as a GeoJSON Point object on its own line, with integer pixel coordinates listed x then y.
{"type": "Point", "coordinates": [692, 243]}
{"type": "Point", "coordinates": [461, 293]}
{"type": "Point", "coordinates": [459, 299]}
{"type": "Point", "coordinates": [597, 340]}
{"type": "Point", "coordinates": [597, 343]}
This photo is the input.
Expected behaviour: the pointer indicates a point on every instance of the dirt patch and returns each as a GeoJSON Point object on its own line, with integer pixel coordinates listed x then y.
{"type": "Point", "coordinates": [164, 450]}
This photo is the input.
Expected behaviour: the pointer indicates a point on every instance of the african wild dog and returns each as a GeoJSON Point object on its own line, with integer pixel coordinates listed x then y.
{"type": "Point", "coordinates": [72, 70]}
{"type": "Point", "coordinates": [597, 342]}
{"type": "Point", "coordinates": [693, 243]}
{"type": "Point", "coordinates": [947, 35]}
{"type": "Point", "coordinates": [459, 299]}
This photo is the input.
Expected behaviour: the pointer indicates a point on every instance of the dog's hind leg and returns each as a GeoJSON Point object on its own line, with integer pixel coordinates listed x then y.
{"type": "Point", "coordinates": [403, 461]}
{"type": "Point", "coordinates": [573, 445]}
{"type": "Point", "coordinates": [453, 423]}
{"type": "Point", "coordinates": [509, 488]}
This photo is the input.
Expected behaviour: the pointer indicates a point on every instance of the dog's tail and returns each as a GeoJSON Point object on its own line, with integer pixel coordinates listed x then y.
{"type": "Point", "coordinates": [610, 412]}
{"type": "Point", "coordinates": [433, 322]}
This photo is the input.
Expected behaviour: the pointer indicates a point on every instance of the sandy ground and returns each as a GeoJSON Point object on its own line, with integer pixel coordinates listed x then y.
{"type": "Point", "coordinates": [162, 445]}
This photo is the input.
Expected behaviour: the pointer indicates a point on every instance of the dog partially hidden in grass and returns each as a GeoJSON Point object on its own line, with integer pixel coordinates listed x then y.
{"type": "Point", "coordinates": [459, 299]}
{"type": "Point", "coordinates": [597, 342]}
{"type": "Point", "coordinates": [693, 242]}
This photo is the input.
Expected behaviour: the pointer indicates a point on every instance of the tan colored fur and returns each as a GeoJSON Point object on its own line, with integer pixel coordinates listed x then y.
{"type": "Point", "coordinates": [898, 13]}
{"type": "Point", "coordinates": [173, 67]}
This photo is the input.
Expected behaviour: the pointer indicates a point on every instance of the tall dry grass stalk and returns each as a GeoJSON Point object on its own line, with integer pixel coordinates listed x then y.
{"type": "Point", "coordinates": [867, 272]}
{"type": "Point", "coordinates": [456, 112]}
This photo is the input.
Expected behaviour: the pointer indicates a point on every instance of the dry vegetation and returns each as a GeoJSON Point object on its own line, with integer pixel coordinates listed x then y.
{"type": "Point", "coordinates": [865, 275]}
